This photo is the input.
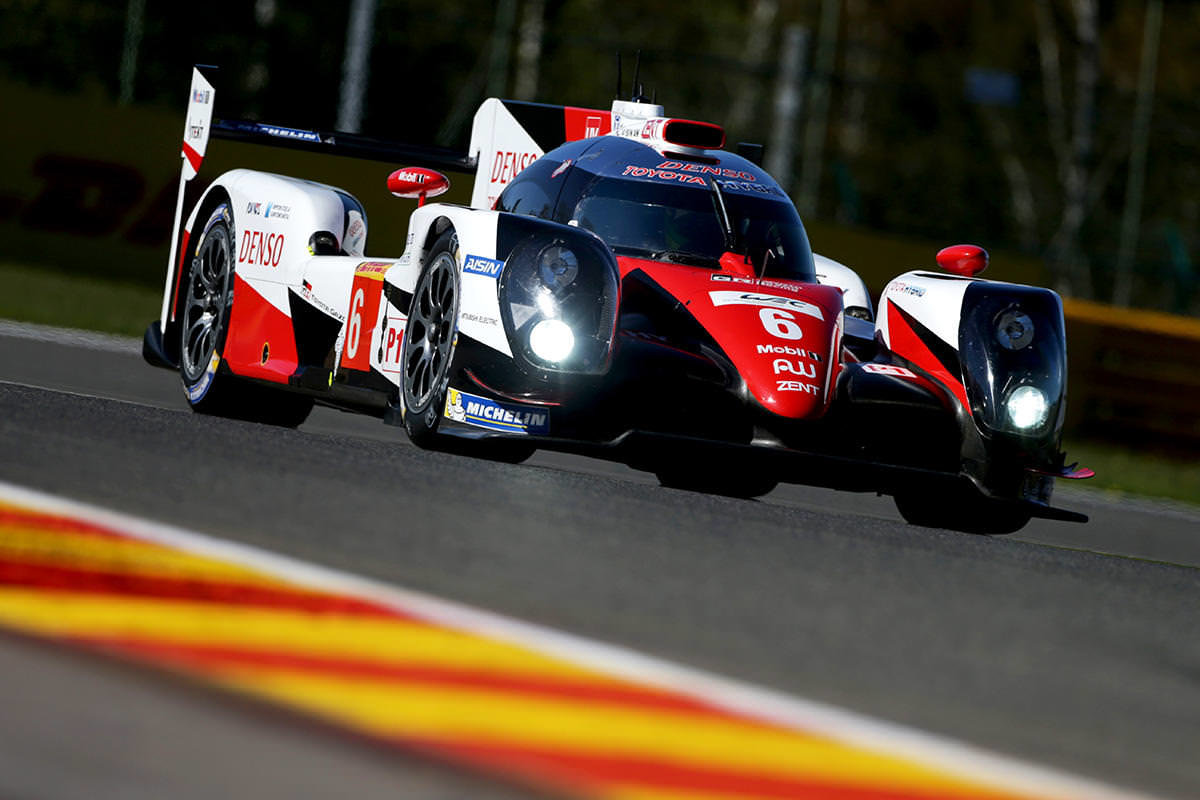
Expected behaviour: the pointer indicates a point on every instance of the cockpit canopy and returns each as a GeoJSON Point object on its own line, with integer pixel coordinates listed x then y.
{"type": "Point", "coordinates": [665, 206]}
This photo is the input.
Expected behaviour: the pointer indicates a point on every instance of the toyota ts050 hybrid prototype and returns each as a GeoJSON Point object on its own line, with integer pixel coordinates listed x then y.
{"type": "Point", "coordinates": [620, 286]}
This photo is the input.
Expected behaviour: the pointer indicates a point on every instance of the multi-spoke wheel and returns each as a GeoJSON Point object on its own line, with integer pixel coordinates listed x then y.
{"type": "Point", "coordinates": [429, 341]}
{"type": "Point", "coordinates": [204, 325]}
{"type": "Point", "coordinates": [207, 295]}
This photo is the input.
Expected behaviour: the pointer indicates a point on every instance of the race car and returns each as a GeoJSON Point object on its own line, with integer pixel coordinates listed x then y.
{"type": "Point", "coordinates": [620, 286]}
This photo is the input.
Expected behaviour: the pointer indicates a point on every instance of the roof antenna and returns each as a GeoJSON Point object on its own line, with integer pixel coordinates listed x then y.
{"type": "Point", "coordinates": [637, 72]}
{"type": "Point", "coordinates": [618, 95]}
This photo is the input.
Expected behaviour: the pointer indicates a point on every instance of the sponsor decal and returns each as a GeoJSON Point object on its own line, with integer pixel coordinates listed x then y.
{"type": "Point", "coordinates": [374, 270]}
{"type": "Point", "coordinates": [797, 386]}
{"type": "Point", "coordinates": [255, 209]}
{"type": "Point", "coordinates": [889, 369]}
{"type": "Point", "coordinates": [196, 129]}
{"type": "Point", "coordinates": [279, 211]}
{"type": "Point", "coordinates": [764, 282]}
{"type": "Point", "coordinates": [287, 133]}
{"type": "Point", "coordinates": [561, 168]}
{"type": "Point", "coordinates": [197, 392]}
{"type": "Point", "coordinates": [706, 169]}
{"type": "Point", "coordinates": [781, 365]}
{"type": "Point", "coordinates": [356, 234]}
{"type": "Point", "coordinates": [507, 165]}
{"type": "Point", "coordinates": [479, 318]}
{"type": "Point", "coordinates": [201, 96]}
{"type": "Point", "coordinates": [479, 265]}
{"type": "Point", "coordinates": [485, 413]}
{"type": "Point", "coordinates": [735, 298]}
{"type": "Point", "coordinates": [906, 288]}
{"type": "Point", "coordinates": [260, 248]}
{"type": "Point", "coordinates": [592, 126]}
{"type": "Point", "coordinates": [412, 176]}
{"type": "Point", "coordinates": [784, 350]}
{"type": "Point", "coordinates": [391, 341]}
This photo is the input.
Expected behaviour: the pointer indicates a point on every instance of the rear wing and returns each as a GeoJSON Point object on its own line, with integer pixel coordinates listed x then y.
{"type": "Point", "coordinates": [509, 135]}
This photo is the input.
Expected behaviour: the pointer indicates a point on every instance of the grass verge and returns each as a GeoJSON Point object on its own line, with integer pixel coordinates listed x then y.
{"type": "Point", "coordinates": [40, 295]}
{"type": "Point", "coordinates": [1129, 471]}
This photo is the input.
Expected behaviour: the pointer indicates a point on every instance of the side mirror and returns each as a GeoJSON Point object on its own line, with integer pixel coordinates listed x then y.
{"type": "Point", "coordinates": [418, 183]}
{"type": "Point", "coordinates": [967, 260]}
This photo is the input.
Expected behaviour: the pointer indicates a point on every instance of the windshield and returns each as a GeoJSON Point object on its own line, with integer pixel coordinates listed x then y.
{"type": "Point", "coordinates": [685, 225]}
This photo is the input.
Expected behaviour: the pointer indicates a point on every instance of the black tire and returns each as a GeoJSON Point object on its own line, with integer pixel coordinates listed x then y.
{"type": "Point", "coordinates": [962, 508]}
{"type": "Point", "coordinates": [207, 301]}
{"type": "Point", "coordinates": [429, 342]}
{"type": "Point", "coordinates": [742, 482]}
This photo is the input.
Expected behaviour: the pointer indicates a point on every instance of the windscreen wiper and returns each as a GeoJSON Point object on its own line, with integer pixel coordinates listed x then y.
{"type": "Point", "coordinates": [723, 215]}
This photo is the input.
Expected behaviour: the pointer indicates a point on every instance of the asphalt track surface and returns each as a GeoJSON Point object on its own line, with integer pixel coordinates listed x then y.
{"type": "Point", "coordinates": [1076, 647]}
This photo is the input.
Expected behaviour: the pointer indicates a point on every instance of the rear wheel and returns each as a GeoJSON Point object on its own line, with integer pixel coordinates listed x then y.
{"type": "Point", "coordinates": [204, 326]}
{"type": "Point", "coordinates": [960, 507]}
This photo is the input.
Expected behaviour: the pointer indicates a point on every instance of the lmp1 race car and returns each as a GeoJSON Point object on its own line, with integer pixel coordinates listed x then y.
{"type": "Point", "coordinates": [621, 287]}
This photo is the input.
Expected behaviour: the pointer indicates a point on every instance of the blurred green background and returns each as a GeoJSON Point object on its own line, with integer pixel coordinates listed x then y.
{"type": "Point", "coordinates": [1060, 134]}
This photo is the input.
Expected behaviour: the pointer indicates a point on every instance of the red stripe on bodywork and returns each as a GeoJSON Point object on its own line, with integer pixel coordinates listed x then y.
{"type": "Point", "coordinates": [187, 234]}
{"type": "Point", "coordinates": [194, 158]}
{"type": "Point", "coordinates": [254, 323]}
{"type": "Point", "coordinates": [87, 581]}
{"type": "Point", "coordinates": [906, 343]}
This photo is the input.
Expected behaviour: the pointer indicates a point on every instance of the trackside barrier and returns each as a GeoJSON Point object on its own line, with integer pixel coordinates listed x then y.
{"type": "Point", "coordinates": [1134, 376]}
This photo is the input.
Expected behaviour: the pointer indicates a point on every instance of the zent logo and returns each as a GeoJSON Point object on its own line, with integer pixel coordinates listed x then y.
{"type": "Point", "coordinates": [261, 248]}
{"type": "Point", "coordinates": [478, 265]}
{"type": "Point", "coordinates": [796, 386]}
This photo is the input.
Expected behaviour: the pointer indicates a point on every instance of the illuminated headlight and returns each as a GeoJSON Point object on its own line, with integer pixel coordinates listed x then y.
{"type": "Point", "coordinates": [551, 340]}
{"type": "Point", "coordinates": [1014, 329]}
{"type": "Point", "coordinates": [1027, 408]}
{"type": "Point", "coordinates": [558, 267]}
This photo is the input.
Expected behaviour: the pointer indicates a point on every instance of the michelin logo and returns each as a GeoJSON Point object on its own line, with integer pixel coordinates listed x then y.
{"type": "Point", "coordinates": [484, 413]}
{"type": "Point", "coordinates": [483, 266]}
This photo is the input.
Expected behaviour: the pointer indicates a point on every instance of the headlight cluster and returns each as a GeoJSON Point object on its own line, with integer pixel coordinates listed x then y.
{"type": "Point", "coordinates": [559, 298]}
{"type": "Point", "coordinates": [1013, 351]}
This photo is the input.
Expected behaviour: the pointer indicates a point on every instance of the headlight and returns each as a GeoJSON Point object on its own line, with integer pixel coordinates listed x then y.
{"type": "Point", "coordinates": [551, 340]}
{"type": "Point", "coordinates": [557, 267]}
{"type": "Point", "coordinates": [1014, 329]}
{"type": "Point", "coordinates": [1027, 408]}
{"type": "Point", "coordinates": [558, 296]}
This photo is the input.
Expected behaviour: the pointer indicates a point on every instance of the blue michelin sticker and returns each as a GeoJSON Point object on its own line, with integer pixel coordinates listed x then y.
{"type": "Point", "coordinates": [483, 266]}
{"type": "Point", "coordinates": [485, 413]}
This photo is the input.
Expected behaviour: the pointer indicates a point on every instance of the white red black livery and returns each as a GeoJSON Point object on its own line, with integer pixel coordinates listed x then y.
{"type": "Point", "coordinates": [623, 287]}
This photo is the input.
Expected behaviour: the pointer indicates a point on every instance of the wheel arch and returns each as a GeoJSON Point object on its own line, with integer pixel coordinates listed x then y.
{"type": "Point", "coordinates": [212, 198]}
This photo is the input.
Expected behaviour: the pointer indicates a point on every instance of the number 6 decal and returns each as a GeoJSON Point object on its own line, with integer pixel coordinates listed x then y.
{"type": "Point", "coordinates": [780, 323]}
{"type": "Point", "coordinates": [362, 314]}
{"type": "Point", "coordinates": [354, 329]}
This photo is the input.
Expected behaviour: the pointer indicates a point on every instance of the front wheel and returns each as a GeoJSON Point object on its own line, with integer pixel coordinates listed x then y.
{"type": "Point", "coordinates": [429, 342]}
{"type": "Point", "coordinates": [960, 507]}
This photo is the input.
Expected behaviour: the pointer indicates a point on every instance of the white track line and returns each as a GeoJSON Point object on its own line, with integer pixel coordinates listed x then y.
{"type": "Point", "coordinates": [793, 712]}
